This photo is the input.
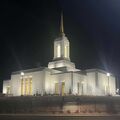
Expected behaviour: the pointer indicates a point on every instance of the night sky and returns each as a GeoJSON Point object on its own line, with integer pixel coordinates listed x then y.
{"type": "Point", "coordinates": [28, 30]}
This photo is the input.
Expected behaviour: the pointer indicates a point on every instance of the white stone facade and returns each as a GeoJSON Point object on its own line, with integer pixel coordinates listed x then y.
{"type": "Point", "coordinates": [90, 82]}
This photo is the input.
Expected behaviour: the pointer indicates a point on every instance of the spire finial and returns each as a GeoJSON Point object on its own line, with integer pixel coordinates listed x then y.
{"type": "Point", "coordinates": [61, 24]}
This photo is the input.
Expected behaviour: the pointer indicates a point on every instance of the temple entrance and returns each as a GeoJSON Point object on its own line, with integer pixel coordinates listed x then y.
{"type": "Point", "coordinates": [60, 88]}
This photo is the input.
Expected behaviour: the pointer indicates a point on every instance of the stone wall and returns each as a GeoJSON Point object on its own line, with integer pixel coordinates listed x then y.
{"type": "Point", "coordinates": [62, 105]}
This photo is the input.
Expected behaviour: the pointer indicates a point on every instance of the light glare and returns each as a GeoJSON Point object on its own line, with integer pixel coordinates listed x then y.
{"type": "Point", "coordinates": [108, 74]}
{"type": "Point", "coordinates": [22, 73]}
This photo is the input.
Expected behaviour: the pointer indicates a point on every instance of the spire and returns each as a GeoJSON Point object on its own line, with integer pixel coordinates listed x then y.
{"type": "Point", "coordinates": [61, 25]}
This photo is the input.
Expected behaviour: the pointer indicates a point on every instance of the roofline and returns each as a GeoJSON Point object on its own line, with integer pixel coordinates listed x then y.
{"type": "Point", "coordinates": [29, 70]}
{"type": "Point", "coordinates": [98, 70]}
{"type": "Point", "coordinates": [78, 72]}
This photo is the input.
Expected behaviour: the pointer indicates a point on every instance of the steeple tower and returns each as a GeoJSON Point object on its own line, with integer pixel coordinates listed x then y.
{"type": "Point", "coordinates": [61, 50]}
{"type": "Point", "coordinates": [61, 44]}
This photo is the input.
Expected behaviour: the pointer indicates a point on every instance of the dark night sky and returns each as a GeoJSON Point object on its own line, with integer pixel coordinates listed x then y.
{"type": "Point", "coordinates": [28, 29]}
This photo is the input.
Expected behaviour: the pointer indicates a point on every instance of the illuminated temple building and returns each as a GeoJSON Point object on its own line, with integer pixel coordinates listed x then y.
{"type": "Point", "coordinates": [60, 77]}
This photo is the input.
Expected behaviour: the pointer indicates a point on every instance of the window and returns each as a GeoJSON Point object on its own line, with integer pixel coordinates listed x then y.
{"type": "Point", "coordinates": [30, 86]}
{"type": "Point", "coordinates": [66, 51]}
{"type": "Point", "coordinates": [22, 84]}
{"type": "Point", "coordinates": [26, 86]}
{"type": "Point", "coordinates": [58, 51]}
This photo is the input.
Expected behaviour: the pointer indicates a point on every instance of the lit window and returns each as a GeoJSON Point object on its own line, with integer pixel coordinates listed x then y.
{"type": "Point", "coordinates": [30, 86]}
{"type": "Point", "coordinates": [58, 51]}
{"type": "Point", "coordinates": [66, 51]}
{"type": "Point", "coordinates": [22, 86]}
{"type": "Point", "coordinates": [26, 86]}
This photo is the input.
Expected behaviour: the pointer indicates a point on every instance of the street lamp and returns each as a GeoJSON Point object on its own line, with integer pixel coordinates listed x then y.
{"type": "Point", "coordinates": [22, 74]}
{"type": "Point", "coordinates": [108, 75]}
{"type": "Point", "coordinates": [117, 91]}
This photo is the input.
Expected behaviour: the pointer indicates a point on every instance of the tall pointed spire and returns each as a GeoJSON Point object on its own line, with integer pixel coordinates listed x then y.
{"type": "Point", "coordinates": [61, 25]}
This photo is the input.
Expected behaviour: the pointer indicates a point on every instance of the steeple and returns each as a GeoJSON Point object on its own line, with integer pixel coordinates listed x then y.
{"type": "Point", "coordinates": [61, 57]}
{"type": "Point", "coordinates": [61, 25]}
{"type": "Point", "coordinates": [61, 44]}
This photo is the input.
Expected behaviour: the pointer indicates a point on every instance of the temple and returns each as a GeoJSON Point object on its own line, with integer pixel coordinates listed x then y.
{"type": "Point", "coordinates": [61, 76]}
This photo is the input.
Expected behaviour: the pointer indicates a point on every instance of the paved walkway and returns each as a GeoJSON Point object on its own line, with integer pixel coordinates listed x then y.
{"type": "Point", "coordinates": [39, 117]}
